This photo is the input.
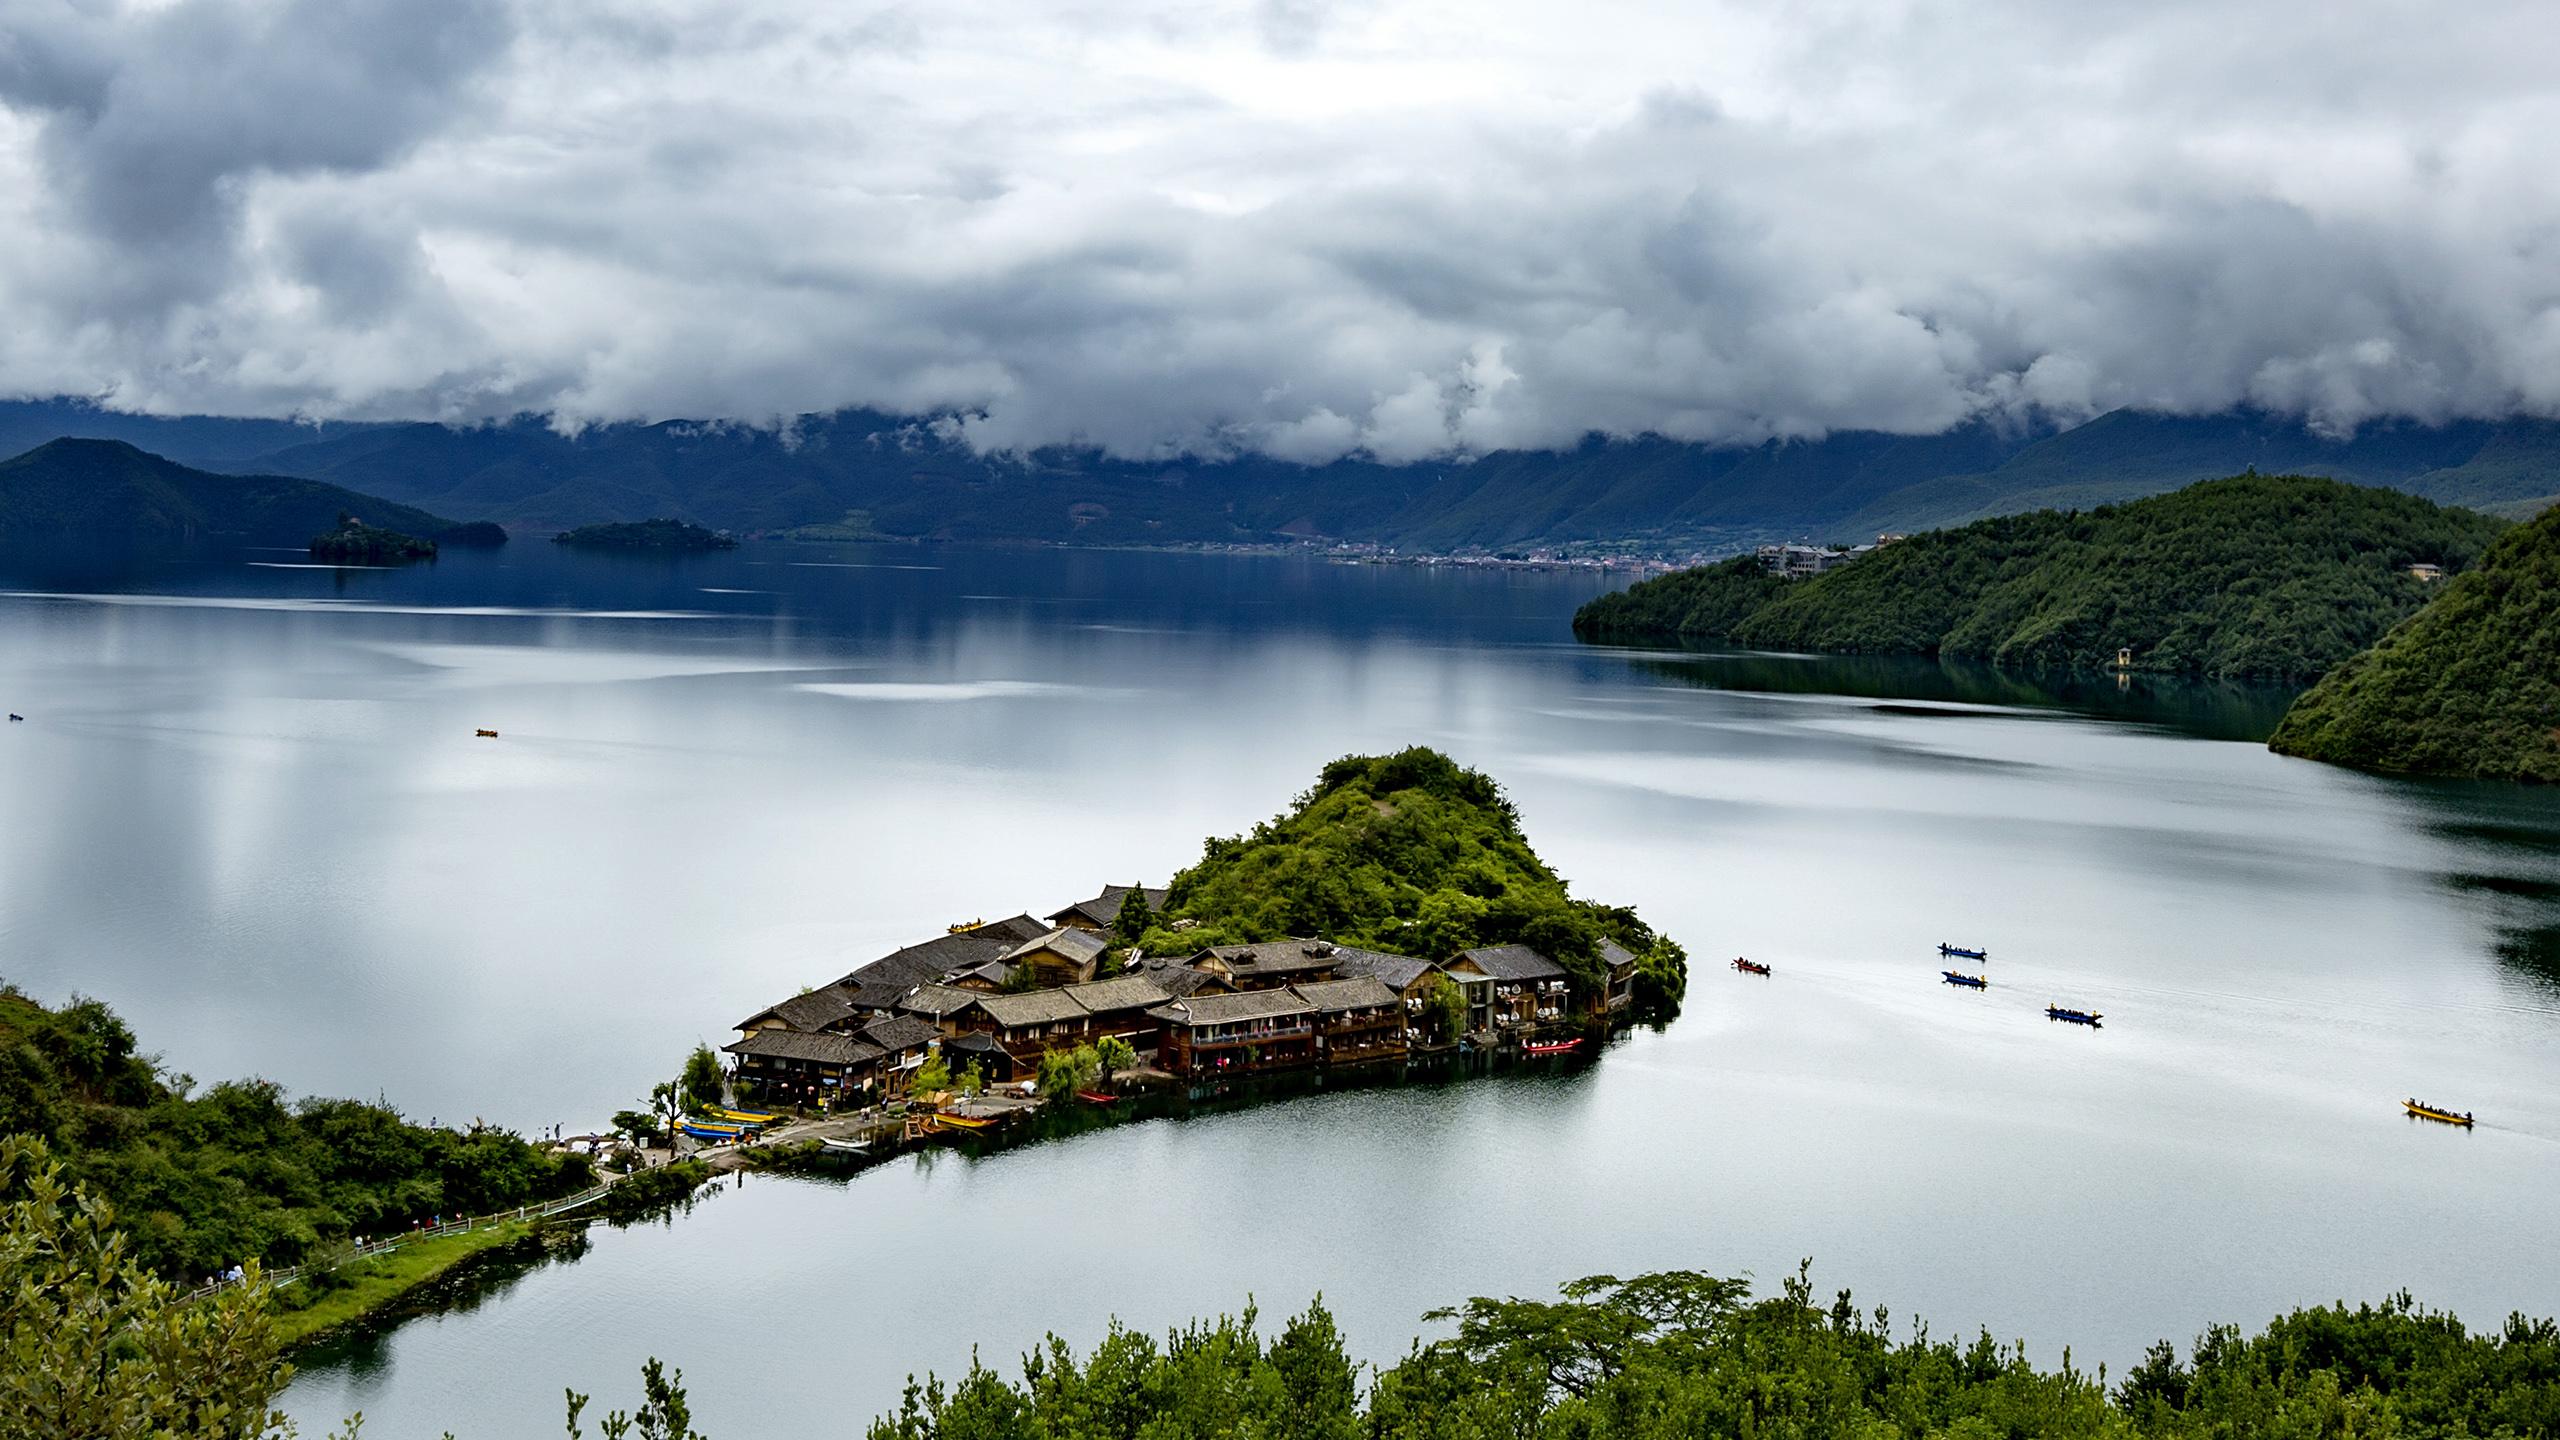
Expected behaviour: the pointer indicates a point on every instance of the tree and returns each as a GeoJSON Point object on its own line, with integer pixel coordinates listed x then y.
{"type": "Point", "coordinates": [1135, 917]}
{"type": "Point", "coordinates": [1446, 1007]}
{"type": "Point", "coordinates": [97, 1346]}
{"type": "Point", "coordinates": [704, 1084]}
{"type": "Point", "coordinates": [664, 1413]}
{"type": "Point", "coordinates": [642, 1126]}
{"type": "Point", "coordinates": [1063, 1072]}
{"type": "Point", "coordinates": [934, 1075]}
{"type": "Point", "coordinates": [1111, 1056]}
{"type": "Point", "coordinates": [973, 1081]}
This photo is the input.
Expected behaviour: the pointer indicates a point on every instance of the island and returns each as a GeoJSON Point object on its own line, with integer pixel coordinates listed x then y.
{"type": "Point", "coordinates": [2469, 686]}
{"type": "Point", "coordinates": [667, 536]}
{"type": "Point", "coordinates": [473, 535]}
{"type": "Point", "coordinates": [2275, 577]}
{"type": "Point", "coordinates": [356, 543]}
{"type": "Point", "coordinates": [1394, 914]}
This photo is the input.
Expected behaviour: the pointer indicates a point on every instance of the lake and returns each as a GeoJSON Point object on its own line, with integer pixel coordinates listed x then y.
{"type": "Point", "coordinates": [249, 809]}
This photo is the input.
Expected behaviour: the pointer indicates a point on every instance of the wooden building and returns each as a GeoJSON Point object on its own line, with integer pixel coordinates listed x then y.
{"type": "Point", "coordinates": [788, 1067]}
{"type": "Point", "coordinates": [1270, 964]}
{"type": "Point", "coordinates": [1064, 956]}
{"type": "Point", "coordinates": [1510, 987]}
{"type": "Point", "coordinates": [1356, 1019]}
{"type": "Point", "coordinates": [1103, 910]}
{"type": "Point", "coordinates": [1235, 1034]}
{"type": "Point", "coordinates": [1620, 996]}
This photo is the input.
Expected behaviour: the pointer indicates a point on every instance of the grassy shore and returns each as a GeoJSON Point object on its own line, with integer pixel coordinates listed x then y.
{"type": "Point", "coordinates": [377, 1280]}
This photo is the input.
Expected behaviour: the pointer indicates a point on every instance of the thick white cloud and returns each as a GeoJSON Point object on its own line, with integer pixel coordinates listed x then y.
{"type": "Point", "coordinates": [1287, 225]}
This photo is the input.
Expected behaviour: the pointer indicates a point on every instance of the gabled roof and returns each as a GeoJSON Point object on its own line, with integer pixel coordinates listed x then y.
{"type": "Point", "coordinates": [1227, 1009]}
{"type": "Point", "coordinates": [1104, 909]}
{"type": "Point", "coordinates": [1177, 981]}
{"type": "Point", "coordinates": [895, 1033]}
{"type": "Point", "coordinates": [1396, 971]}
{"type": "Point", "coordinates": [1272, 957]}
{"type": "Point", "coordinates": [939, 1000]}
{"type": "Point", "coordinates": [1513, 962]}
{"type": "Point", "coordinates": [1033, 1007]}
{"type": "Point", "coordinates": [816, 1049]}
{"type": "Point", "coordinates": [1360, 992]}
{"type": "Point", "coordinates": [1119, 993]}
{"type": "Point", "coordinates": [1076, 945]}
{"type": "Point", "coordinates": [809, 1013]}
{"type": "Point", "coordinates": [931, 960]}
{"type": "Point", "coordinates": [1615, 955]}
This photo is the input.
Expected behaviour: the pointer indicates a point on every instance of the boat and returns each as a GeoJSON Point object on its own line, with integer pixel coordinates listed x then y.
{"type": "Point", "coordinates": [14, 715]}
{"type": "Point", "coordinates": [701, 1130]}
{"type": "Point", "coordinates": [727, 1116]}
{"type": "Point", "coordinates": [2076, 1017]}
{"type": "Point", "coordinates": [2425, 1111]}
{"type": "Point", "coordinates": [964, 927]}
{"type": "Point", "coordinates": [966, 1122]}
{"type": "Point", "coordinates": [1961, 953]}
{"type": "Point", "coordinates": [1549, 1047]}
{"type": "Point", "coordinates": [1955, 977]}
{"type": "Point", "coordinates": [1749, 967]}
{"type": "Point", "coordinates": [1096, 1097]}
{"type": "Point", "coordinates": [486, 734]}
{"type": "Point", "coordinates": [850, 1147]}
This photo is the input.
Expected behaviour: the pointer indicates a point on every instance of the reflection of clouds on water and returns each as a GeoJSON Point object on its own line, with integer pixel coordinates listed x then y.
{"type": "Point", "coordinates": [321, 605]}
{"type": "Point", "coordinates": [564, 665]}
{"type": "Point", "coordinates": [943, 691]}
{"type": "Point", "coordinates": [853, 565]}
{"type": "Point", "coordinates": [311, 565]}
{"type": "Point", "coordinates": [724, 590]}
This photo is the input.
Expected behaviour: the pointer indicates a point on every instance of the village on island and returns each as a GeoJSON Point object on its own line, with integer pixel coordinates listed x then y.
{"type": "Point", "coordinates": [994, 999]}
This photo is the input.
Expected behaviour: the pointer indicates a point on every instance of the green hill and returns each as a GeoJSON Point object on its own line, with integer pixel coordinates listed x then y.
{"type": "Point", "coordinates": [661, 534]}
{"type": "Point", "coordinates": [1408, 853]}
{"type": "Point", "coordinates": [2277, 576]}
{"type": "Point", "coordinates": [2470, 685]}
{"type": "Point", "coordinates": [107, 488]}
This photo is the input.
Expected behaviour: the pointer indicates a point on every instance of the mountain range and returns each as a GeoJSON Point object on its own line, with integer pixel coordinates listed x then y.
{"type": "Point", "coordinates": [858, 473]}
{"type": "Point", "coordinates": [112, 489]}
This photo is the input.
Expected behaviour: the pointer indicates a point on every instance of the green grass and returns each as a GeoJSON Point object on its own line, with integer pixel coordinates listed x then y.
{"type": "Point", "coordinates": [377, 1280]}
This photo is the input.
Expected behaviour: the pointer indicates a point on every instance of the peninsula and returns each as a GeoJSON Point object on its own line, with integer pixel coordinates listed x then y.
{"type": "Point", "coordinates": [2266, 576]}
{"type": "Point", "coordinates": [1395, 911]}
{"type": "Point", "coordinates": [664, 535]}
{"type": "Point", "coordinates": [2468, 686]}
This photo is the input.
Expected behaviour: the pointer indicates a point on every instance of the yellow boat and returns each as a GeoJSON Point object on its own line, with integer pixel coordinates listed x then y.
{"type": "Point", "coordinates": [964, 927]}
{"type": "Point", "coordinates": [965, 1122]}
{"type": "Point", "coordinates": [2429, 1112]}
{"type": "Point", "coordinates": [744, 1117]}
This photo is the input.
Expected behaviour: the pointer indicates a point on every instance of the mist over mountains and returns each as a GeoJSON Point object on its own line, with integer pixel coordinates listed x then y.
{"type": "Point", "coordinates": [862, 472]}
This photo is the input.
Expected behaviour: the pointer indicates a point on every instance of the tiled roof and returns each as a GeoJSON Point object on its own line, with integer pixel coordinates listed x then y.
{"type": "Point", "coordinates": [1077, 945]}
{"type": "Point", "coordinates": [1396, 971]}
{"type": "Point", "coordinates": [1360, 992]}
{"type": "Point", "coordinates": [1513, 962]}
{"type": "Point", "coordinates": [930, 960]}
{"type": "Point", "coordinates": [894, 1033]}
{"type": "Point", "coordinates": [1178, 981]}
{"type": "Point", "coordinates": [1227, 1009]}
{"type": "Point", "coordinates": [816, 1049]}
{"type": "Point", "coordinates": [810, 1013]}
{"type": "Point", "coordinates": [1120, 992]}
{"type": "Point", "coordinates": [1034, 1007]}
{"type": "Point", "coordinates": [939, 1000]}
{"type": "Point", "coordinates": [1615, 955]}
{"type": "Point", "coordinates": [1274, 957]}
{"type": "Point", "coordinates": [1103, 909]}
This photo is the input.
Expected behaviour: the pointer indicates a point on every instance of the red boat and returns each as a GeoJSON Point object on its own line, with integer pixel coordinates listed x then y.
{"type": "Point", "coordinates": [1750, 967]}
{"type": "Point", "coordinates": [1550, 1047]}
{"type": "Point", "coordinates": [1096, 1097]}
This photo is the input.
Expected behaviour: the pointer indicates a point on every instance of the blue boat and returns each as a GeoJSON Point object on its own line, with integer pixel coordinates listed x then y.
{"type": "Point", "coordinates": [2076, 1017]}
{"type": "Point", "coordinates": [1976, 981]}
{"type": "Point", "coordinates": [1962, 953]}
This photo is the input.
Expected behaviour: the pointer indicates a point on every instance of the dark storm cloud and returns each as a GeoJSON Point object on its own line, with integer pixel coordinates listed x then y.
{"type": "Point", "coordinates": [1300, 226]}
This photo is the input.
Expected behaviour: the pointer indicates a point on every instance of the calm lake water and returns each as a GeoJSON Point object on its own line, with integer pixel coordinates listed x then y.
{"type": "Point", "coordinates": [247, 807]}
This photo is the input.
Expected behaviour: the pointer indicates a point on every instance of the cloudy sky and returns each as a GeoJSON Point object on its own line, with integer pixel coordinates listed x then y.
{"type": "Point", "coordinates": [1300, 226]}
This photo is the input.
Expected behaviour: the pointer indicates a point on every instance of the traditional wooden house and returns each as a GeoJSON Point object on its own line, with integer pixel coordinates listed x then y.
{"type": "Point", "coordinates": [1410, 978]}
{"type": "Point", "coordinates": [1270, 964]}
{"type": "Point", "coordinates": [1517, 988]}
{"type": "Point", "coordinates": [939, 1005]}
{"type": "Point", "coordinates": [1119, 1006]}
{"type": "Point", "coordinates": [791, 1067]}
{"type": "Point", "coordinates": [1103, 910]}
{"type": "Point", "coordinates": [1064, 956]}
{"type": "Point", "coordinates": [1030, 1023]}
{"type": "Point", "coordinates": [1235, 1034]}
{"type": "Point", "coordinates": [1620, 995]}
{"type": "Point", "coordinates": [811, 1013]}
{"type": "Point", "coordinates": [1356, 1019]}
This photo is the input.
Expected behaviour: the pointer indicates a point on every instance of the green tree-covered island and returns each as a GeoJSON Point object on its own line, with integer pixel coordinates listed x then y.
{"type": "Point", "coordinates": [2468, 686]}
{"type": "Point", "coordinates": [663, 535]}
{"type": "Point", "coordinates": [356, 543]}
{"type": "Point", "coordinates": [2265, 576]}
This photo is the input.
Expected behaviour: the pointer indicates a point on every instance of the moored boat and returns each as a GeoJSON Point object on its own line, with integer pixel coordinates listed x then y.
{"type": "Point", "coordinates": [1749, 967]}
{"type": "Point", "coordinates": [1550, 1047]}
{"type": "Point", "coordinates": [853, 1147]}
{"type": "Point", "coordinates": [965, 1122]}
{"type": "Point", "coordinates": [2425, 1111]}
{"type": "Point", "coordinates": [727, 1116]}
{"type": "Point", "coordinates": [1096, 1097]}
{"type": "Point", "coordinates": [2076, 1017]}
{"type": "Point", "coordinates": [1978, 982]}
{"type": "Point", "coordinates": [1960, 952]}
{"type": "Point", "coordinates": [707, 1130]}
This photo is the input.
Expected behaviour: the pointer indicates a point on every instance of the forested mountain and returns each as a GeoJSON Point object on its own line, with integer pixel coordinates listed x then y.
{"type": "Point", "coordinates": [858, 472]}
{"type": "Point", "coordinates": [109, 489]}
{"type": "Point", "coordinates": [2470, 685]}
{"type": "Point", "coordinates": [2255, 575]}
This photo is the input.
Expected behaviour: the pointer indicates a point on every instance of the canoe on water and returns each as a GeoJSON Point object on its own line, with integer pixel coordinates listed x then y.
{"type": "Point", "coordinates": [1961, 952]}
{"type": "Point", "coordinates": [1750, 967]}
{"type": "Point", "coordinates": [2425, 1111]}
{"type": "Point", "coordinates": [1096, 1097]}
{"type": "Point", "coordinates": [1959, 978]}
{"type": "Point", "coordinates": [1550, 1047]}
{"type": "Point", "coordinates": [2076, 1017]}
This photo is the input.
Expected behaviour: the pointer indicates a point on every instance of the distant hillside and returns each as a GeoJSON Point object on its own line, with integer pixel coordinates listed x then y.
{"type": "Point", "coordinates": [2470, 685]}
{"type": "Point", "coordinates": [107, 488]}
{"type": "Point", "coordinates": [2256, 575]}
{"type": "Point", "coordinates": [860, 473]}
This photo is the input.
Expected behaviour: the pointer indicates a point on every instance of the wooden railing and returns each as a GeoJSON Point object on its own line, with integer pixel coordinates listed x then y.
{"type": "Point", "coordinates": [278, 1279]}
